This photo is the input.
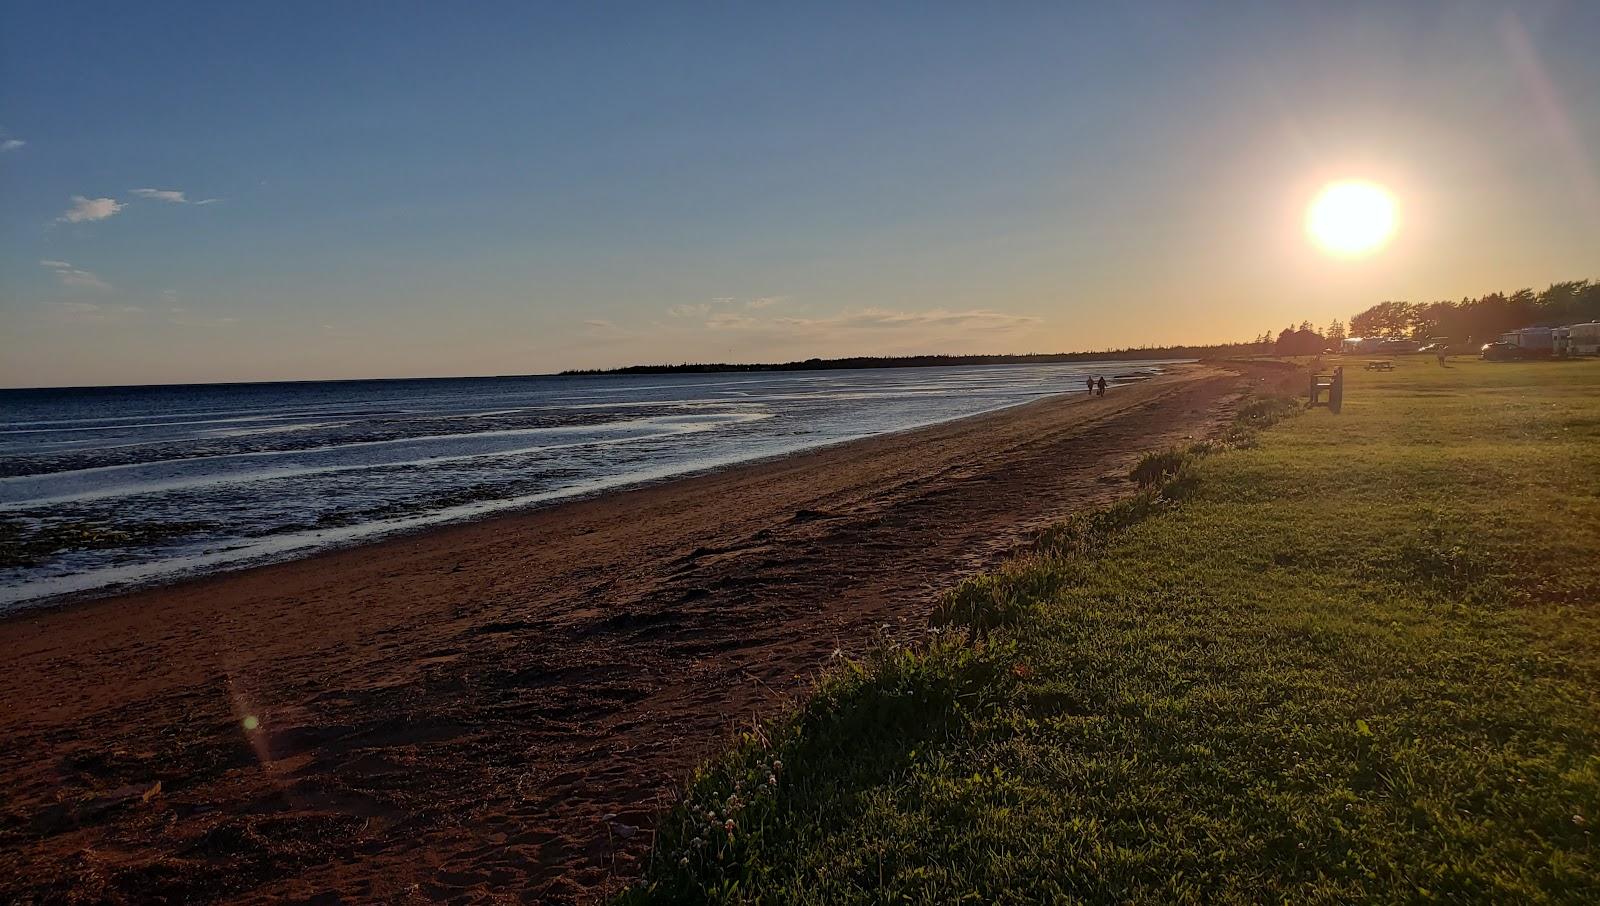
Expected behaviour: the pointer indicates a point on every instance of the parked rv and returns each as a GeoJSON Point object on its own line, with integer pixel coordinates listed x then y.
{"type": "Point", "coordinates": [1533, 341]}
{"type": "Point", "coordinates": [1582, 339]}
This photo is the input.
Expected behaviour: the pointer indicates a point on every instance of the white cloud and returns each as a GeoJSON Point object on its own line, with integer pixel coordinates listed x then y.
{"type": "Point", "coordinates": [720, 303]}
{"type": "Point", "coordinates": [90, 209]}
{"type": "Point", "coordinates": [171, 195]}
{"type": "Point", "coordinates": [729, 320]}
{"type": "Point", "coordinates": [82, 278]}
{"type": "Point", "coordinates": [601, 330]}
{"type": "Point", "coordinates": [11, 144]}
{"type": "Point", "coordinates": [751, 328]}
{"type": "Point", "coordinates": [73, 276]}
{"type": "Point", "coordinates": [98, 314]}
{"type": "Point", "coordinates": [878, 318]}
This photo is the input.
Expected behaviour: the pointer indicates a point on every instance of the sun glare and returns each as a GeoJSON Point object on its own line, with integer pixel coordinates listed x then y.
{"type": "Point", "coordinates": [1352, 218]}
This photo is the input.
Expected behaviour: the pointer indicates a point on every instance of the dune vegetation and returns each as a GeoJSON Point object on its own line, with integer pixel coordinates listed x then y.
{"type": "Point", "coordinates": [1340, 658]}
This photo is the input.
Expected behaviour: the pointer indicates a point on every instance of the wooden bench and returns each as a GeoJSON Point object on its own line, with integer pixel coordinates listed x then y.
{"type": "Point", "coordinates": [1330, 384]}
{"type": "Point", "coordinates": [1383, 365]}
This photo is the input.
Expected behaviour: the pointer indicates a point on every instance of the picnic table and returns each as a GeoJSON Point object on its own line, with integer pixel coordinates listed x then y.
{"type": "Point", "coordinates": [1379, 365]}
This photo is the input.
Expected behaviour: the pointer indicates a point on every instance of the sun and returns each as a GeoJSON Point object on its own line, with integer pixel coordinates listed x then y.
{"type": "Point", "coordinates": [1352, 218]}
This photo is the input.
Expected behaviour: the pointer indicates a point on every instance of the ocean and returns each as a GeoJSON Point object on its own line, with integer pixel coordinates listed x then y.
{"type": "Point", "coordinates": [112, 487]}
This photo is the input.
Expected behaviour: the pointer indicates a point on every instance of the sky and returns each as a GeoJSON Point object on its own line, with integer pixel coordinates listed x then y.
{"type": "Point", "coordinates": [219, 192]}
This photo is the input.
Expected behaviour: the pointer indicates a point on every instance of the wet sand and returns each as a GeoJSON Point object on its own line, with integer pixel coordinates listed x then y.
{"type": "Point", "coordinates": [451, 714]}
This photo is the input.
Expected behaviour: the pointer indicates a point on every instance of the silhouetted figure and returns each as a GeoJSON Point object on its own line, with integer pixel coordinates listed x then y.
{"type": "Point", "coordinates": [1100, 387]}
{"type": "Point", "coordinates": [1090, 383]}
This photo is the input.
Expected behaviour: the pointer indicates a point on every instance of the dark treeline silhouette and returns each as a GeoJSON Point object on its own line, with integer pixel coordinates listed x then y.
{"type": "Point", "coordinates": [1478, 319]}
{"type": "Point", "coordinates": [1305, 339]}
{"type": "Point", "coordinates": [1470, 320]}
{"type": "Point", "coordinates": [1220, 350]}
{"type": "Point", "coordinates": [1484, 318]}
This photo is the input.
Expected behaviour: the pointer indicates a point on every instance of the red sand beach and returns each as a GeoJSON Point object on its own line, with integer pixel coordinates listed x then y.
{"type": "Point", "coordinates": [451, 714]}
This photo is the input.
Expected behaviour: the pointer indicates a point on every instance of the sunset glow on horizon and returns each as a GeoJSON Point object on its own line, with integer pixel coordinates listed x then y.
{"type": "Point", "coordinates": [581, 189]}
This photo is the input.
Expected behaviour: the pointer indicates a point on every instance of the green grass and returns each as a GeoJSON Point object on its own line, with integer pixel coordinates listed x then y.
{"type": "Point", "coordinates": [1347, 658]}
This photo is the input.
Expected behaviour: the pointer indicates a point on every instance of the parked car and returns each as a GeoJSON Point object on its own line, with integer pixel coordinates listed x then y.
{"type": "Point", "coordinates": [1500, 351]}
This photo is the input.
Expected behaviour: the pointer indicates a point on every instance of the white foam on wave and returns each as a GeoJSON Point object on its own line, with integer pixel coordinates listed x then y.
{"type": "Point", "coordinates": [817, 410]}
{"type": "Point", "coordinates": [276, 548]}
{"type": "Point", "coordinates": [29, 491]}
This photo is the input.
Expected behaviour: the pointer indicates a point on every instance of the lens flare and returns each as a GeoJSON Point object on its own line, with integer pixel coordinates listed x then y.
{"type": "Point", "coordinates": [1352, 218]}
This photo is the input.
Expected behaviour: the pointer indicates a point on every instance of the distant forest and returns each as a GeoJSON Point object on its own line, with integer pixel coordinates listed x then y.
{"type": "Point", "coordinates": [1479, 319]}
{"type": "Point", "coordinates": [1470, 320]}
{"type": "Point", "coordinates": [1483, 318]}
{"type": "Point", "coordinates": [932, 361]}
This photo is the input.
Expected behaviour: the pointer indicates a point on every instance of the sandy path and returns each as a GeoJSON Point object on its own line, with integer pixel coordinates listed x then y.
{"type": "Point", "coordinates": [449, 714]}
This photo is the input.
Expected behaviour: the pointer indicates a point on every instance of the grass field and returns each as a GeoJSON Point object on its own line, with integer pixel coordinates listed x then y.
{"type": "Point", "coordinates": [1349, 657]}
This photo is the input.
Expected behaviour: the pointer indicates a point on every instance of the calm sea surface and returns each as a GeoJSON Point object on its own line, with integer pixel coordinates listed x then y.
{"type": "Point", "coordinates": [131, 485]}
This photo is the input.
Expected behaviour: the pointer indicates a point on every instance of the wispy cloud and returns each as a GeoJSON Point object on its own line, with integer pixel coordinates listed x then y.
{"type": "Point", "coordinates": [602, 330]}
{"type": "Point", "coordinates": [73, 276]}
{"type": "Point", "coordinates": [878, 319]}
{"type": "Point", "coordinates": [11, 144]}
{"type": "Point", "coordinates": [91, 209]}
{"type": "Point", "coordinates": [171, 196]}
{"type": "Point", "coordinates": [722, 304]}
{"type": "Point", "coordinates": [868, 330]}
{"type": "Point", "coordinates": [730, 320]}
{"type": "Point", "coordinates": [90, 312]}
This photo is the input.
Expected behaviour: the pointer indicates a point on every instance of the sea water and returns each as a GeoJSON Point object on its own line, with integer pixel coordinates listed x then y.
{"type": "Point", "coordinates": [109, 487]}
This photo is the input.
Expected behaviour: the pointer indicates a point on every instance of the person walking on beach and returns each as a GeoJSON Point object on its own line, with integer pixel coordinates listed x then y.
{"type": "Point", "coordinates": [1101, 387]}
{"type": "Point", "coordinates": [1090, 382]}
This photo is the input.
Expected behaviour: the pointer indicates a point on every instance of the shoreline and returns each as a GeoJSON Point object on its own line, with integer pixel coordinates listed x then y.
{"type": "Point", "coordinates": [459, 708]}
{"type": "Point", "coordinates": [1073, 358]}
{"type": "Point", "coordinates": [166, 574]}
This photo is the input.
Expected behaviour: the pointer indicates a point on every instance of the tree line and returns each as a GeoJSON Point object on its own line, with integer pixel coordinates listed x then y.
{"type": "Point", "coordinates": [1132, 354]}
{"type": "Point", "coordinates": [1483, 318]}
{"type": "Point", "coordinates": [1469, 320]}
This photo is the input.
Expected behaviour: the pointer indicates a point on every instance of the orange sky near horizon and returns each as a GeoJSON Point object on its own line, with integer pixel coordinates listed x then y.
{"type": "Point", "coordinates": [850, 183]}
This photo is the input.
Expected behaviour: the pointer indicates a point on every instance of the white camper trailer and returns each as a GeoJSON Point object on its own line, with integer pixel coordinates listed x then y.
{"type": "Point", "coordinates": [1583, 339]}
{"type": "Point", "coordinates": [1361, 345]}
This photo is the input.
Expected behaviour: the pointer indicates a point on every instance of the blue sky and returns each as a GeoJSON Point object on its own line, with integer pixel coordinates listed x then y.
{"type": "Point", "coordinates": [430, 189]}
